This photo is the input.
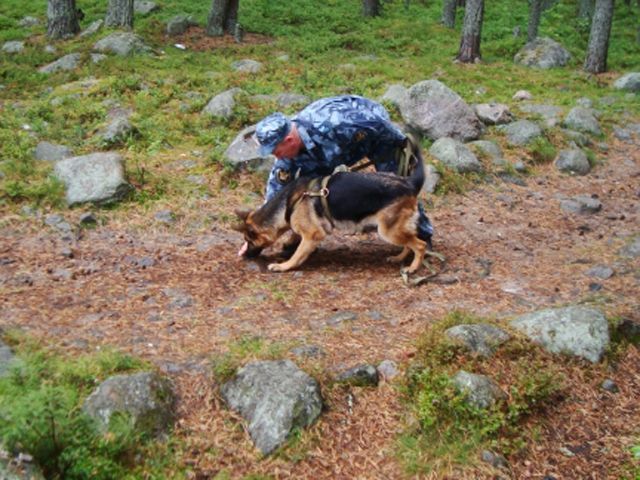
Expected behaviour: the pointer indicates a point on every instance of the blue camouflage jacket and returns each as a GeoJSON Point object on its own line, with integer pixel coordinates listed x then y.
{"type": "Point", "coordinates": [335, 131]}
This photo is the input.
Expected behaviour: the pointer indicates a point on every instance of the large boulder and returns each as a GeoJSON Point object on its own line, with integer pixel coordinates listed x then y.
{"type": "Point", "coordinates": [576, 330]}
{"type": "Point", "coordinates": [629, 82]}
{"type": "Point", "coordinates": [395, 94]}
{"type": "Point", "coordinates": [122, 43]}
{"type": "Point", "coordinates": [180, 24]}
{"type": "Point", "coordinates": [480, 390]}
{"type": "Point", "coordinates": [582, 120]}
{"type": "Point", "coordinates": [455, 155]}
{"type": "Point", "coordinates": [543, 53]}
{"type": "Point", "coordinates": [521, 132]}
{"type": "Point", "coordinates": [573, 161]}
{"type": "Point", "coordinates": [244, 152]}
{"type": "Point", "coordinates": [436, 111]}
{"type": "Point", "coordinates": [98, 177]}
{"type": "Point", "coordinates": [14, 46]}
{"type": "Point", "coordinates": [68, 62]}
{"type": "Point", "coordinates": [146, 398]}
{"type": "Point", "coordinates": [481, 339]}
{"type": "Point", "coordinates": [50, 152]}
{"type": "Point", "coordinates": [222, 105]}
{"type": "Point", "coordinates": [274, 397]}
{"type": "Point", "coordinates": [143, 7]}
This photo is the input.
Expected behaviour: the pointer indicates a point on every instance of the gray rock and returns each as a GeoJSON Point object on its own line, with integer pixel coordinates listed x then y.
{"type": "Point", "coordinates": [600, 271]}
{"type": "Point", "coordinates": [491, 150]}
{"type": "Point", "coordinates": [480, 390]}
{"type": "Point", "coordinates": [180, 24]}
{"type": "Point", "coordinates": [550, 114]}
{"type": "Point", "coordinates": [244, 152]}
{"type": "Point", "coordinates": [610, 386]}
{"type": "Point", "coordinates": [493, 113]}
{"type": "Point", "coordinates": [584, 102]}
{"type": "Point", "coordinates": [117, 131]}
{"type": "Point", "coordinates": [494, 459]}
{"type": "Point", "coordinates": [29, 22]}
{"type": "Point", "coordinates": [632, 249]}
{"type": "Point", "coordinates": [13, 47]}
{"type": "Point", "coordinates": [582, 204]}
{"type": "Point", "coordinates": [630, 330]}
{"type": "Point", "coordinates": [481, 339]}
{"type": "Point", "coordinates": [436, 111]}
{"type": "Point", "coordinates": [165, 216]}
{"type": "Point", "coordinates": [98, 177]}
{"type": "Point", "coordinates": [178, 299]}
{"type": "Point", "coordinates": [455, 155]}
{"type": "Point", "coordinates": [521, 132]}
{"type": "Point", "coordinates": [50, 49]}
{"type": "Point", "coordinates": [573, 161]}
{"type": "Point", "coordinates": [578, 138]}
{"type": "Point", "coordinates": [431, 179]}
{"type": "Point", "coordinates": [145, 397]}
{"type": "Point", "coordinates": [396, 95]}
{"type": "Point", "coordinates": [97, 57]}
{"type": "Point", "coordinates": [122, 43]}
{"type": "Point", "coordinates": [629, 82]}
{"type": "Point", "coordinates": [575, 330]}
{"type": "Point", "coordinates": [8, 361]}
{"type": "Point", "coordinates": [310, 351]}
{"type": "Point", "coordinates": [583, 120]}
{"type": "Point", "coordinates": [57, 221]}
{"type": "Point", "coordinates": [388, 369]}
{"type": "Point", "coordinates": [222, 105]}
{"type": "Point", "coordinates": [341, 317]}
{"type": "Point", "coordinates": [142, 7]}
{"type": "Point", "coordinates": [521, 95]}
{"type": "Point", "coordinates": [360, 376]}
{"type": "Point", "coordinates": [68, 62]}
{"type": "Point", "coordinates": [274, 397]}
{"type": "Point", "coordinates": [50, 152]}
{"type": "Point", "coordinates": [246, 66]}
{"type": "Point", "coordinates": [542, 53]}
{"type": "Point", "coordinates": [87, 218]}
{"type": "Point", "coordinates": [290, 99]}
{"type": "Point", "coordinates": [92, 29]}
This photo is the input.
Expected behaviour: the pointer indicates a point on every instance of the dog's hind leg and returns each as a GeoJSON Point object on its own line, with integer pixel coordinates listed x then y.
{"type": "Point", "coordinates": [400, 257]}
{"type": "Point", "coordinates": [306, 248]}
{"type": "Point", "coordinates": [419, 248]}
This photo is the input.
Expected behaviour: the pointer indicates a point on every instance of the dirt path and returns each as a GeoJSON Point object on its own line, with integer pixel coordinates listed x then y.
{"type": "Point", "coordinates": [177, 295]}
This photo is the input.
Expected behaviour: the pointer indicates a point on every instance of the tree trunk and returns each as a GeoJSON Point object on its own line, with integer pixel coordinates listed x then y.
{"type": "Point", "coordinates": [596, 61]}
{"type": "Point", "coordinates": [471, 31]}
{"type": "Point", "coordinates": [222, 17]}
{"type": "Point", "coordinates": [449, 13]}
{"type": "Point", "coordinates": [62, 18]}
{"type": "Point", "coordinates": [371, 8]}
{"type": "Point", "coordinates": [535, 12]}
{"type": "Point", "coordinates": [461, 3]}
{"type": "Point", "coordinates": [119, 14]}
{"type": "Point", "coordinates": [585, 9]}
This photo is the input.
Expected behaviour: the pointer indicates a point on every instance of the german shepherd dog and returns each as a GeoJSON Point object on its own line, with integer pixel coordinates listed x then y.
{"type": "Point", "coordinates": [313, 207]}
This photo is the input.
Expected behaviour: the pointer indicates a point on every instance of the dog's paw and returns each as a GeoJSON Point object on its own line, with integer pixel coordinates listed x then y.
{"type": "Point", "coordinates": [276, 267]}
{"type": "Point", "coordinates": [409, 270]}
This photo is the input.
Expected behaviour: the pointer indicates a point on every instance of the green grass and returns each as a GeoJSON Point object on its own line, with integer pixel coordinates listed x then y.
{"type": "Point", "coordinates": [40, 414]}
{"type": "Point", "coordinates": [167, 89]}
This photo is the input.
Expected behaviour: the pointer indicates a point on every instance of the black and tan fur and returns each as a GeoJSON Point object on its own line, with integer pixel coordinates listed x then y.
{"type": "Point", "coordinates": [355, 201]}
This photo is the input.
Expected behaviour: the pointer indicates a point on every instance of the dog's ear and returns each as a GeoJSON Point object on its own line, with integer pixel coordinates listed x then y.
{"type": "Point", "coordinates": [243, 214]}
{"type": "Point", "coordinates": [239, 227]}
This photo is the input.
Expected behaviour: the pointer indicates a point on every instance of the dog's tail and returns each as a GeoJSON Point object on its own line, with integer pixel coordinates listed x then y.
{"type": "Point", "coordinates": [417, 163]}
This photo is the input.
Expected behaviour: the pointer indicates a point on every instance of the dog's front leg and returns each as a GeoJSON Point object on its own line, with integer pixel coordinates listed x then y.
{"type": "Point", "coordinates": [306, 248]}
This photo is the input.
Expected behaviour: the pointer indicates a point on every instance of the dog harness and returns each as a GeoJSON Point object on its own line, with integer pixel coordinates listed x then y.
{"type": "Point", "coordinates": [316, 188]}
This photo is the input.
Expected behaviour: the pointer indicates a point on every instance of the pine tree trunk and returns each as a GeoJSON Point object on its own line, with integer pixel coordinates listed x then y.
{"type": "Point", "coordinates": [119, 14]}
{"type": "Point", "coordinates": [471, 31]}
{"type": "Point", "coordinates": [449, 13]}
{"type": "Point", "coordinates": [596, 61]}
{"type": "Point", "coordinates": [222, 17]}
{"type": "Point", "coordinates": [535, 12]}
{"type": "Point", "coordinates": [231, 17]}
{"type": "Point", "coordinates": [62, 18]}
{"type": "Point", "coordinates": [371, 8]}
{"type": "Point", "coordinates": [585, 9]}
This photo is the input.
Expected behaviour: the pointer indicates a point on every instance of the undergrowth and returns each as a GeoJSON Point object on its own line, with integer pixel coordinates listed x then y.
{"type": "Point", "coordinates": [40, 414]}
{"type": "Point", "coordinates": [445, 431]}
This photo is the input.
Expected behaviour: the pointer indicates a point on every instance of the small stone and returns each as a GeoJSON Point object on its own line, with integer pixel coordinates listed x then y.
{"type": "Point", "coordinates": [360, 376]}
{"type": "Point", "coordinates": [165, 216]}
{"type": "Point", "coordinates": [595, 287]}
{"type": "Point", "coordinates": [341, 317]}
{"type": "Point", "coordinates": [494, 459]}
{"type": "Point", "coordinates": [87, 218]}
{"type": "Point", "coordinates": [388, 369]}
{"type": "Point", "coordinates": [600, 271]}
{"type": "Point", "coordinates": [522, 95]}
{"type": "Point", "coordinates": [310, 351]}
{"type": "Point", "coordinates": [610, 386]}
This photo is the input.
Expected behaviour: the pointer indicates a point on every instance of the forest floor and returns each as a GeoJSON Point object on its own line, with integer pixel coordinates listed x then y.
{"type": "Point", "coordinates": [178, 296]}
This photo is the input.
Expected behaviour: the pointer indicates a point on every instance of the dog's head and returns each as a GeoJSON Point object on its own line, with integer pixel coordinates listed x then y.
{"type": "Point", "coordinates": [256, 237]}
